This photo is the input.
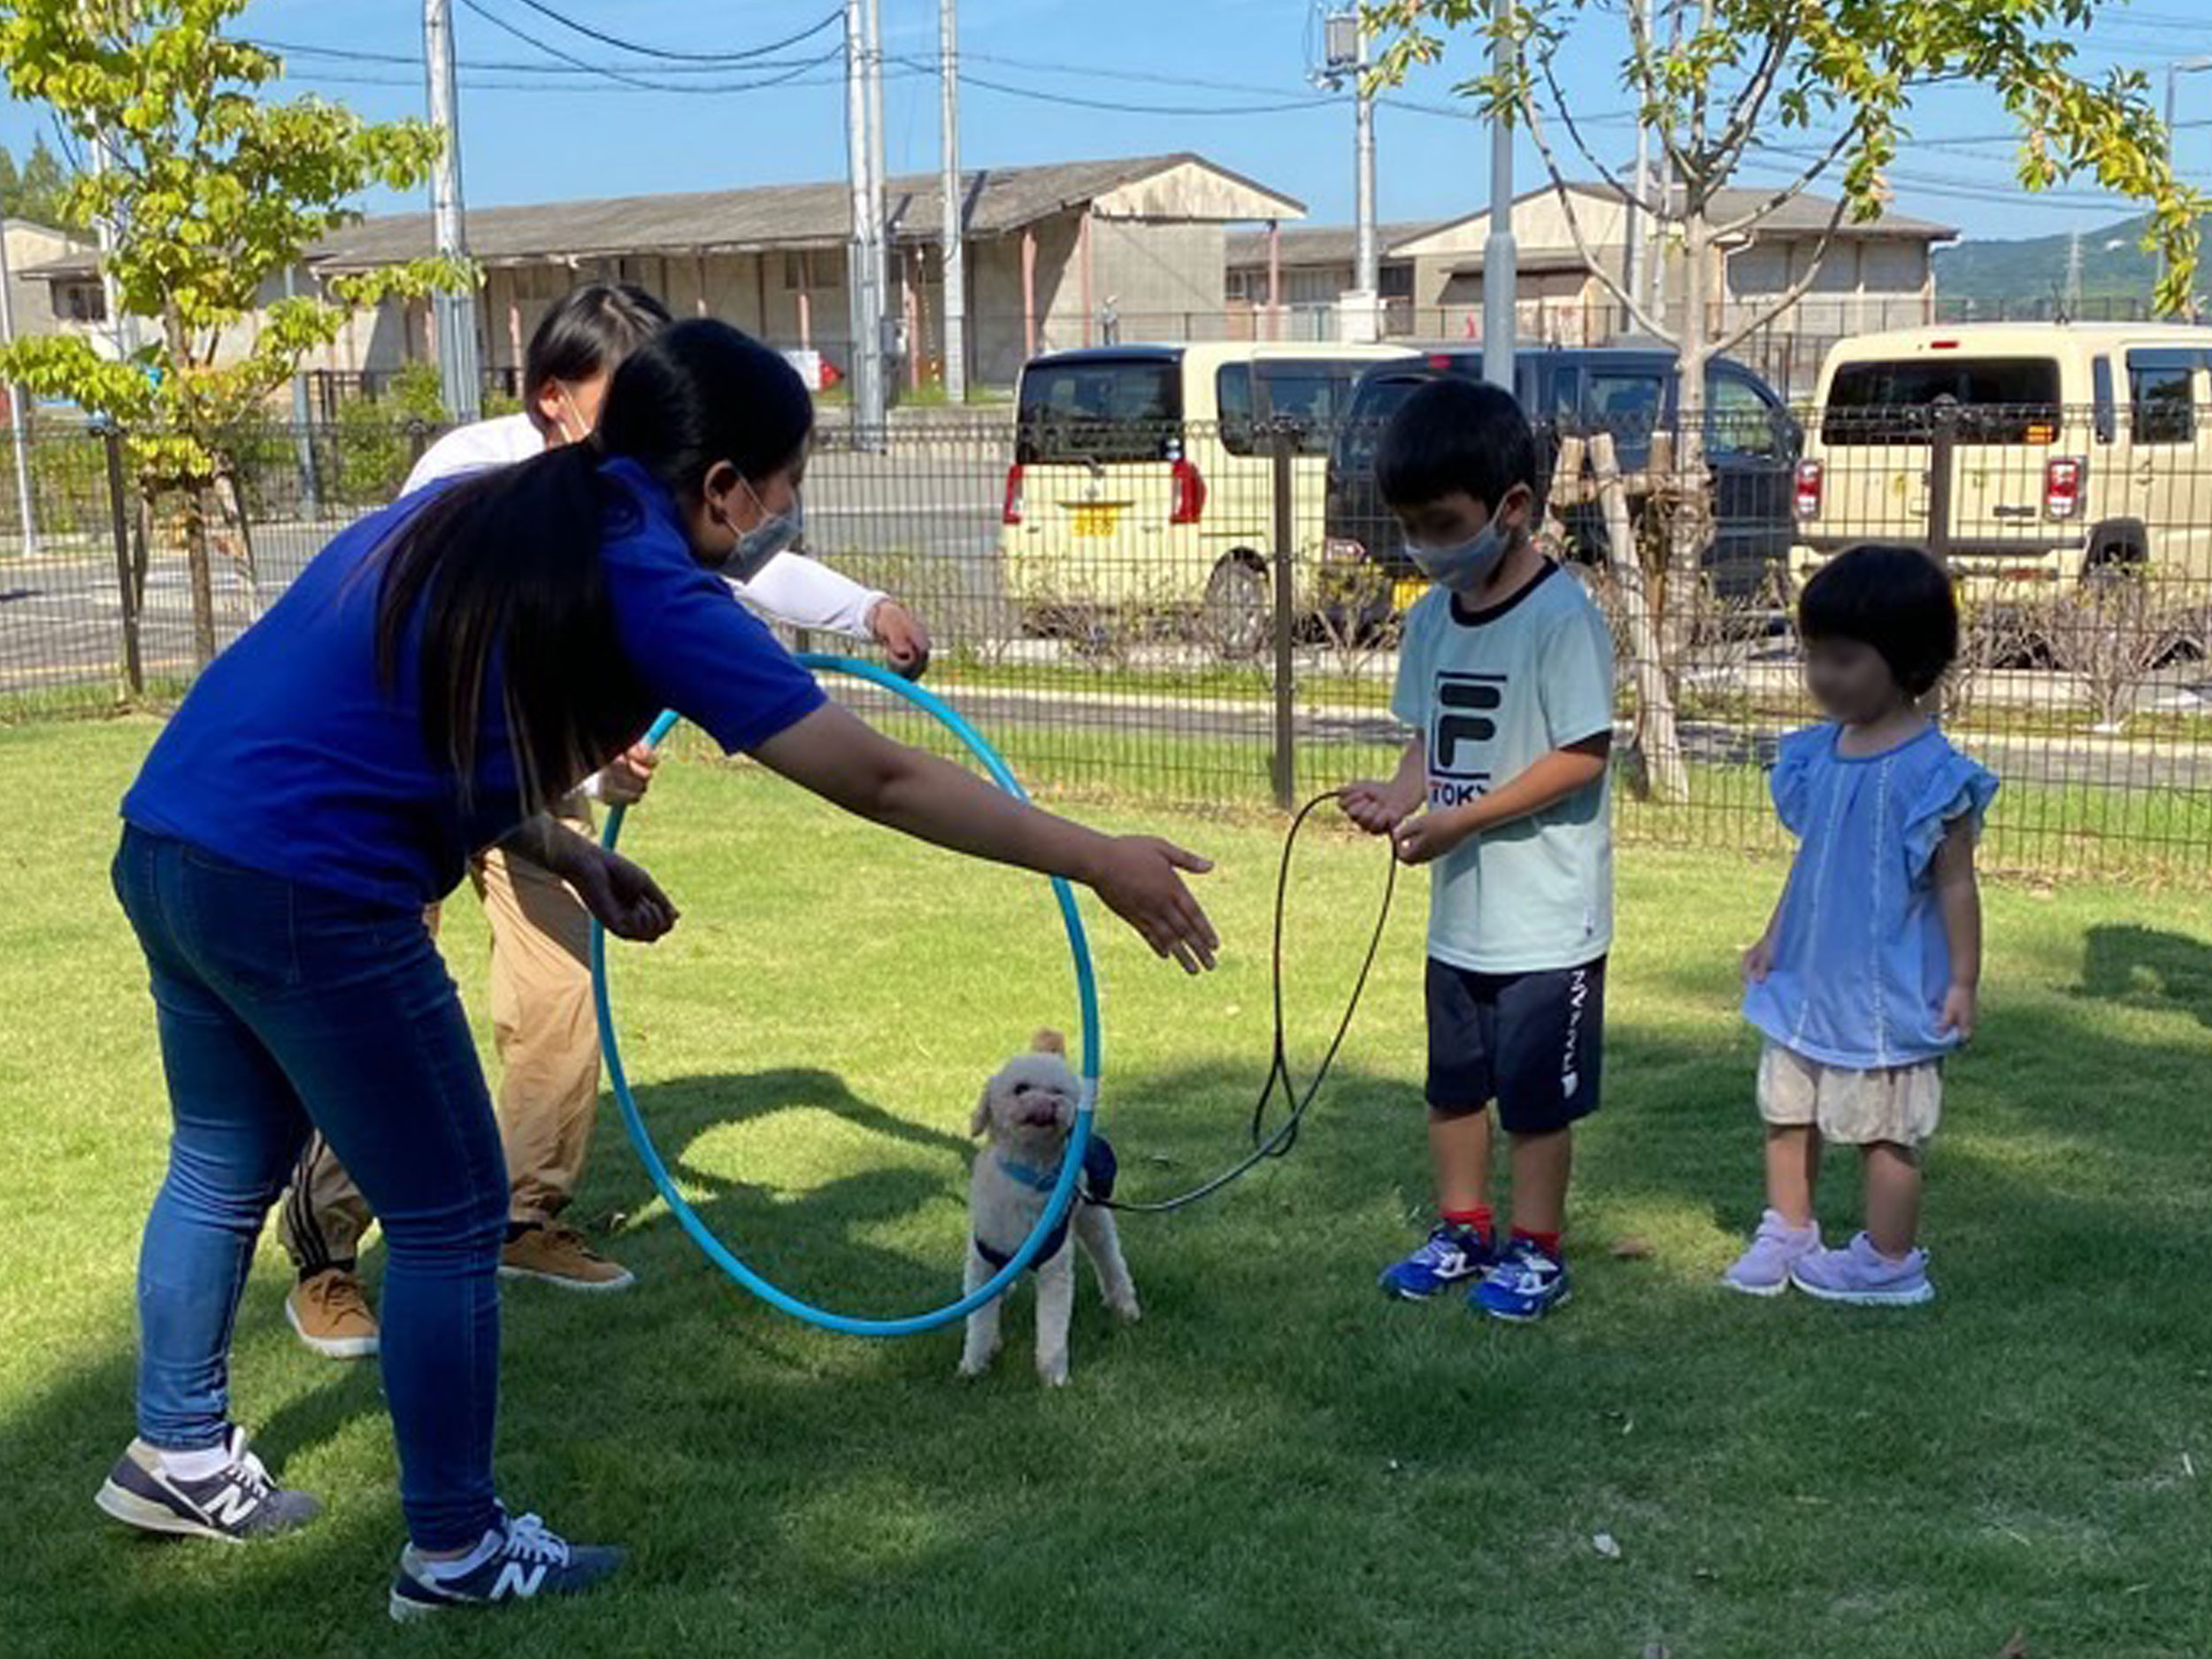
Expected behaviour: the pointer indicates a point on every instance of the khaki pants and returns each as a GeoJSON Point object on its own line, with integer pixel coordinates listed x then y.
{"type": "Point", "coordinates": [549, 1056]}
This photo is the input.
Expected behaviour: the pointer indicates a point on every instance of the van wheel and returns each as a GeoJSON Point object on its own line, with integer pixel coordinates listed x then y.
{"type": "Point", "coordinates": [1237, 615]}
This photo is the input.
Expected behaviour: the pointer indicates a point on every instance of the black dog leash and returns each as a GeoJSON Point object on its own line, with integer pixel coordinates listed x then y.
{"type": "Point", "coordinates": [1273, 1144]}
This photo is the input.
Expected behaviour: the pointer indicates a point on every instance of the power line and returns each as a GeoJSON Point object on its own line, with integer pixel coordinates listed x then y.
{"type": "Point", "coordinates": [1070, 101]}
{"type": "Point", "coordinates": [527, 39]}
{"type": "Point", "coordinates": [642, 51]}
{"type": "Point", "coordinates": [341, 54]}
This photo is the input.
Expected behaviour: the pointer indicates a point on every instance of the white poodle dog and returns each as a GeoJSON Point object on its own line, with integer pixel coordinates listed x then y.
{"type": "Point", "coordinates": [1026, 1112]}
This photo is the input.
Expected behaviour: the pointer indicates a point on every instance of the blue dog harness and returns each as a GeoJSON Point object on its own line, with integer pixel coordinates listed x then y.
{"type": "Point", "coordinates": [1099, 1167]}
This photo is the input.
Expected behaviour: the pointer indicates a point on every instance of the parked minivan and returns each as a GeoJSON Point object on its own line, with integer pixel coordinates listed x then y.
{"type": "Point", "coordinates": [2076, 447]}
{"type": "Point", "coordinates": [1143, 478]}
{"type": "Point", "coordinates": [1751, 442]}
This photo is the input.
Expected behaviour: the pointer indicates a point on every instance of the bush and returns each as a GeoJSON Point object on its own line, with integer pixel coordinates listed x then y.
{"type": "Point", "coordinates": [367, 453]}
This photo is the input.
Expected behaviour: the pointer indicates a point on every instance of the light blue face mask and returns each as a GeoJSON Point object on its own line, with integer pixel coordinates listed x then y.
{"type": "Point", "coordinates": [775, 534]}
{"type": "Point", "coordinates": [1465, 567]}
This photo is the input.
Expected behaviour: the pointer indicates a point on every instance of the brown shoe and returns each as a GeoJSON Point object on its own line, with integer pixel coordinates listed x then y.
{"type": "Point", "coordinates": [332, 1316]}
{"type": "Point", "coordinates": [558, 1255]}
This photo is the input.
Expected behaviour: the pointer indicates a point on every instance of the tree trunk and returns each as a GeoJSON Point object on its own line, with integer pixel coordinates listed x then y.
{"type": "Point", "coordinates": [196, 554]}
{"type": "Point", "coordinates": [232, 499]}
{"type": "Point", "coordinates": [1662, 774]}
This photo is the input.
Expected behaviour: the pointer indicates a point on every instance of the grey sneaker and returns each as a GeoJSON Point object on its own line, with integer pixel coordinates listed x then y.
{"type": "Point", "coordinates": [1764, 1269]}
{"type": "Point", "coordinates": [1862, 1276]}
{"type": "Point", "coordinates": [239, 1503]}
{"type": "Point", "coordinates": [530, 1561]}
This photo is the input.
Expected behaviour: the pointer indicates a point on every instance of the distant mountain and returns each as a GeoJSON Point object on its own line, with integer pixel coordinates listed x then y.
{"type": "Point", "coordinates": [2033, 271]}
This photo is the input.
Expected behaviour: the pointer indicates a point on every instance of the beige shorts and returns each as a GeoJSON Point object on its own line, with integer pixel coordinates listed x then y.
{"type": "Point", "coordinates": [1901, 1105]}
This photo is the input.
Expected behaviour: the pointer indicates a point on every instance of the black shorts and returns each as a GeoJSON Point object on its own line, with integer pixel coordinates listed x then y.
{"type": "Point", "coordinates": [1533, 1042]}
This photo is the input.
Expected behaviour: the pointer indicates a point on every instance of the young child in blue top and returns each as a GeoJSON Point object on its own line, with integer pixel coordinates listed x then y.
{"type": "Point", "coordinates": [1506, 676]}
{"type": "Point", "coordinates": [1870, 971]}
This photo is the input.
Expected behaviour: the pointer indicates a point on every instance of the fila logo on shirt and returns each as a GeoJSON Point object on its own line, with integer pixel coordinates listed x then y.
{"type": "Point", "coordinates": [1461, 726]}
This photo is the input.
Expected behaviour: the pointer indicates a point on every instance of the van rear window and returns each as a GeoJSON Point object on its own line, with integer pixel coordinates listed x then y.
{"type": "Point", "coordinates": [1100, 410]}
{"type": "Point", "coordinates": [1999, 400]}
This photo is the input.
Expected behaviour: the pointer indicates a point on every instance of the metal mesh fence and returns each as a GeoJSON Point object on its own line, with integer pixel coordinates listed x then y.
{"type": "Point", "coordinates": [1208, 614]}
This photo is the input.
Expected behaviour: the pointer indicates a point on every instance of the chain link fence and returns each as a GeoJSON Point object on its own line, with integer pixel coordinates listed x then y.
{"type": "Point", "coordinates": [1206, 613]}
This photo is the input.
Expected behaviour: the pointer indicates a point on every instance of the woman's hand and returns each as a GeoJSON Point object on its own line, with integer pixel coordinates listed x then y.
{"type": "Point", "coordinates": [625, 780]}
{"type": "Point", "coordinates": [1136, 877]}
{"type": "Point", "coordinates": [904, 638]}
{"type": "Point", "coordinates": [628, 902]}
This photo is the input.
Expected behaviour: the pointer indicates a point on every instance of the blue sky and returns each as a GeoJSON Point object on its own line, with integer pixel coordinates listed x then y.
{"type": "Point", "coordinates": [1191, 57]}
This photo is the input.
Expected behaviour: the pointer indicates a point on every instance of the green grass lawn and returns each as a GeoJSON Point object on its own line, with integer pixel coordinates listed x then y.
{"type": "Point", "coordinates": [1276, 1461]}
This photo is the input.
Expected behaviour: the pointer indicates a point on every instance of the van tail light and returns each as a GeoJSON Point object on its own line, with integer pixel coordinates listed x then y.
{"type": "Point", "coordinates": [1190, 495]}
{"type": "Point", "coordinates": [2062, 478]}
{"type": "Point", "coordinates": [1811, 484]}
{"type": "Point", "coordinates": [1012, 513]}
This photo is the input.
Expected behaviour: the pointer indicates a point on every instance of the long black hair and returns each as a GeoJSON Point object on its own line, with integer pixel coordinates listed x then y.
{"type": "Point", "coordinates": [588, 331]}
{"type": "Point", "coordinates": [501, 571]}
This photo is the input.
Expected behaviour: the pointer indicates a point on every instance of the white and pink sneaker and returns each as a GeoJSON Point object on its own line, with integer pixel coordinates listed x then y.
{"type": "Point", "coordinates": [1862, 1276]}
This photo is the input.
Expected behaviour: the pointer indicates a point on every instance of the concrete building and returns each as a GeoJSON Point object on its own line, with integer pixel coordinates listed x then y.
{"type": "Point", "coordinates": [1874, 275]}
{"type": "Point", "coordinates": [1064, 255]}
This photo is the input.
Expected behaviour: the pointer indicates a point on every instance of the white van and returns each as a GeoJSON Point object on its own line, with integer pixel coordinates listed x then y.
{"type": "Point", "coordinates": [2081, 448]}
{"type": "Point", "coordinates": [1143, 479]}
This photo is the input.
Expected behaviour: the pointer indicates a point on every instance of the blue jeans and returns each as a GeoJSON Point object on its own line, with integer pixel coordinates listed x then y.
{"type": "Point", "coordinates": [282, 1006]}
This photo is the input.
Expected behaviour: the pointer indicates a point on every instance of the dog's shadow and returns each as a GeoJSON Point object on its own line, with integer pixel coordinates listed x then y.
{"type": "Point", "coordinates": [825, 1238]}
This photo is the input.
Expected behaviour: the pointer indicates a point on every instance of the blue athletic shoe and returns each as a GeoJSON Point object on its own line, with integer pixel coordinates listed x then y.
{"type": "Point", "coordinates": [1524, 1285]}
{"type": "Point", "coordinates": [1451, 1257]}
{"type": "Point", "coordinates": [525, 1561]}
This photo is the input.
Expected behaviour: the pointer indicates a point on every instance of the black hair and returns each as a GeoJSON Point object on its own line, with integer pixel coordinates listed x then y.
{"type": "Point", "coordinates": [503, 568]}
{"type": "Point", "coordinates": [590, 330]}
{"type": "Point", "coordinates": [1456, 434]}
{"type": "Point", "coordinates": [1895, 598]}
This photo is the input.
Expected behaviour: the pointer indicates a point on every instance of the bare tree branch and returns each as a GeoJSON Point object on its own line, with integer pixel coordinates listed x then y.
{"type": "Point", "coordinates": [1559, 103]}
{"type": "Point", "coordinates": [1729, 149]}
{"type": "Point", "coordinates": [1644, 54]}
{"type": "Point", "coordinates": [1564, 191]}
{"type": "Point", "coordinates": [1796, 187]}
{"type": "Point", "coordinates": [1796, 290]}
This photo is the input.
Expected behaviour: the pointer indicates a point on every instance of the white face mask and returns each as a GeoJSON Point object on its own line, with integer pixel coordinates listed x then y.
{"type": "Point", "coordinates": [1465, 567]}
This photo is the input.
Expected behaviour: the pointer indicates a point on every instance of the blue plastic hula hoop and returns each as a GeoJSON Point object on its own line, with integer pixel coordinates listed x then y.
{"type": "Point", "coordinates": [1086, 1102]}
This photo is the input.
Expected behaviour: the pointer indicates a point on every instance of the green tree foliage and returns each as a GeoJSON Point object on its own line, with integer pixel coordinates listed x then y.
{"type": "Point", "coordinates": [212, 191]}
{"type": "Point", "coordinates": [1827, 85]}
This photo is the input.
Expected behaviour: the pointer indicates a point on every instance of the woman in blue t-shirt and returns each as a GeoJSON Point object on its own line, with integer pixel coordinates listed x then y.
{"type": "Point", "coordinates": [441, 672]}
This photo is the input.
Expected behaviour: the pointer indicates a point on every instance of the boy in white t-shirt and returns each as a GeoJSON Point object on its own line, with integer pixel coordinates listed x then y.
{"type": "Point", "coordinates": [1506, 676]}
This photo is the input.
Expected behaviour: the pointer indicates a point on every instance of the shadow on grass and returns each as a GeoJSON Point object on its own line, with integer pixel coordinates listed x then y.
{"type": "Point", "coordinates": [1269, 1450]}
{"type": "Point", "coordinates": [2148, 968]}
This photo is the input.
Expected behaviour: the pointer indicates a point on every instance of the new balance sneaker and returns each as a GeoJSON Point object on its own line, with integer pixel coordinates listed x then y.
{"type": "Point", "coordinates": [1862, 1276]}
{"type": "Point", "coordinates": [559, 1256]}
{"type": "Point", "coordinates": [1451, 1257]}
{"type": "Point", "coordinates": [1527, 1283]}
{"type": "Point", "coordinates": [329, 1312]}
{"type": "Point", "coordinates": [521, 1561]}
{"type": "Point", "coordinates": [1763, 1269]}
{"type": "Point", "coordinates": [237, 1502]}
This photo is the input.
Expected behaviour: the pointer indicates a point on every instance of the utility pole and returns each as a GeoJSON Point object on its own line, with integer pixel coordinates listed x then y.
{"type": "Point", "coordinates": [862, 271]}
{"type": "Point", "coordinates": [1345, 59]}
{"type": "Point", "coordinates": [2179, 67]}
{"type": "Point", "coordinates": [19, 408]}
{"type": "Point", "coordinates": [887, 315]}
{"type": "Point", "coordinates": [1639, 251]}
{"type": "Point", "coordinates": [955, 230]}
{"type": "Point", "coordinates": [2073, 276]}
{"type": "Point", "coordinates": [1500, 276]}
{"type": "Point", "coordinates": [460, 373]}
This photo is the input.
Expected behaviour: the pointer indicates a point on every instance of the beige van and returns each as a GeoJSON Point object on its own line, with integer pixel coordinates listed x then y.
{"type": "Point", "coordinates": [1143, 479]}
{"type": "Point", "coordinates": [2080, 448]}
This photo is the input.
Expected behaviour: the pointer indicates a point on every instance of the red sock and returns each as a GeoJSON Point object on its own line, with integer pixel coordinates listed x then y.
{"type": "Point", "coordinates": [1479, 1218]}
{"type": "Point", "coordinates": [1547, 1242]}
